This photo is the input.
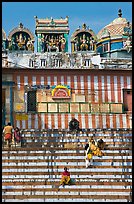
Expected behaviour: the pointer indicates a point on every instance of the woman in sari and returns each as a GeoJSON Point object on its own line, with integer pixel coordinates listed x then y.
{"type": "Point", "coordinates": [65, 177]}
{"type": "Point", "coordinates": [96, 151]}
{"type": "Point", "coordinates": [91, 150]}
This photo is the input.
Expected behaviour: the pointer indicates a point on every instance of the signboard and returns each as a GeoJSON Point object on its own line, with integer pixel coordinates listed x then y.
{"type": "Point", "coordinates": [21, 117]}
{"type": "Point", "coordinates": [61, 91]}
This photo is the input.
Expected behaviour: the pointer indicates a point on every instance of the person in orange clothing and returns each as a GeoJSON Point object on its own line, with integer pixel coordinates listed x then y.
{"type": "Point", "coordinates": [65, 179]}
{"type": "Point", "coordinates": [8, 131]}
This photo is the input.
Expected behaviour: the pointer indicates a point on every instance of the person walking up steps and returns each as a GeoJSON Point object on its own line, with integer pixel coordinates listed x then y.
{"type": "Point", "coordinates": [8, 131]}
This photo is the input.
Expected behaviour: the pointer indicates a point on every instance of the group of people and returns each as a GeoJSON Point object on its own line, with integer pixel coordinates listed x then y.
{"type": "Point", "coordinates": [11, 135]}
{"type": "Point", "coordinates": [93, 148]}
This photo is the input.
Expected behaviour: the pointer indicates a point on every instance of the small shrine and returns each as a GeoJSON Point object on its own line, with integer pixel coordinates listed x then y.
{"type": "Point", "coordinates": [21, 38]}
{"type": "Point", "coordinates": [52, 34]}
{"type": "Point", "coordinates": [83, 39]}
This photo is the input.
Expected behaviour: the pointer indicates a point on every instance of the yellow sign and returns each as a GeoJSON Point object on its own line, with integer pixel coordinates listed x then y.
{"type": "Point", "coordinates": [21, 117]}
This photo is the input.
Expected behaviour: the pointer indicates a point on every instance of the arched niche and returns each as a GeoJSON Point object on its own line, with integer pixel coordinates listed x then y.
{"type": "Point", "coordinates": [83, 39]}
{"type": "Point", "coordinates": [21, 38]}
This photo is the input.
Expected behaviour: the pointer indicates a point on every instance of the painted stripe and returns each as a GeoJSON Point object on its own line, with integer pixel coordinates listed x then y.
{"type": "Point", "coordinates": [99, 89]}
{"type": "Point", "coordinates": [119, 89]}
{"type": "Point", "coordinates": [115, 89]}
{"type": "Point", "coordinates": [18, 123]}
{"type": "Point", "coordinates": [48, 80]}
{"type": "Point", "coordinates": [68, 118]}
{"type": "Point", "coordinates": [34, 80]}
{"type": "Point", "coordinates": [121, 122]}
{"type": "Point", "coordinates": [42, 121]}
{"type": "Point", "coordinates": [46, 121]}
{"type": "Point", "coordinates": [104, 121]}
{"type": "Point", "coordinates": [49, 121]}
{"type": "Point", "coordinates": [93, 121]}
{"type": "Point", "coordinates": [55, 80]}
{"type": "Point", "coordinates": [111, 120]}
{"type": "Point", "coordinates": [69, 81]}
{"type": "Point", "coordinates": [86, 120]}
{"type": "Point", "coordinates": [42, 80]}
{"type": "Point", "coordinates": [114, 121]}
{"type": "Point", "coordinates": [100, 120]}
{"type": "Point", "coordinates": [117, 121]}
{"type": "Point", "coordinates": [122, 86]}
{"type": "Point", "coordinates": [25, 80]}
{"type": "Point", "coordinates": [124, 121]}
{"type": "Point", "coordinates": [59, 121]}
{"type": "Point", "coordinates": [29, 121]}
{"type": "Point", "coordinates": [23, 124]}
{"type": "Point", "coordinates": [82, 84]}
{"type": "Point", "coordinates": [107, 121]}
{"type": "Point", "coordinates": [62, 80]}
{"type": "Point", "coordinates": [90, 121]}
{"type": "Point", "coordinates": [18, 82]}
{"type": "Point", "coordinates": [75, 84]}
{"type": "Point", "coordinates": [89, 84]}
{"type": "Point", "coordinates": [97, 125]}
{"type": "Point", "coordinates": [103, 89]}
{"type": "Point", "coordinates": [96, 88]}
{"type": "Point", "coordinates": [109, 88]}
{"type": "Point", "coordinates": [63, 121]}
{"type": "Point", "coordinates": [36, 121]}
{"type": "Point", "coordinates": [112, 89]}
{"type": "Point", "coordinates": [128, 82]}
{"type": "Point", "coordinates": [83, 125]}
{"type": "Point", "coordinates": [56, 121]}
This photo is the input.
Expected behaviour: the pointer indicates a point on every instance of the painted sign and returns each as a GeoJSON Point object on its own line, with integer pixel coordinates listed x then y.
{"type": "Point", "coordinates": [61, 91]}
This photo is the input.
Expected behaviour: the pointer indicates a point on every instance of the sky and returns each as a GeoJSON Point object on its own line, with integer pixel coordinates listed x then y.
{"type": "Point", "coordinates": [96, 15]}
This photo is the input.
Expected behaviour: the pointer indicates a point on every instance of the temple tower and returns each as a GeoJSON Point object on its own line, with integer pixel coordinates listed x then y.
{"type": "Point", "coordinates": [52, 34]}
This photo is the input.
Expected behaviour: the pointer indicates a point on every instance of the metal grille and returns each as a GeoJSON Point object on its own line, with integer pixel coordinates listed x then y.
{"type": "Point", "coordinates": [31, 101]}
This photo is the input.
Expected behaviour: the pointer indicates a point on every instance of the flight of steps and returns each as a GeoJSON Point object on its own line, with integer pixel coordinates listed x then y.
{"type": "Point", "coordinates": [32, 173]}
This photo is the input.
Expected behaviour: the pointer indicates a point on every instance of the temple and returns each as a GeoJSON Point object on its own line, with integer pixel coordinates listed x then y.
{"type": "Point", "coordinates": [48, 86]}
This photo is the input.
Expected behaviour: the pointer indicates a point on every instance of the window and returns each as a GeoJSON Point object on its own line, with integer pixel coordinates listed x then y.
{"type": "Point", "coordinates": [43, 63]}
{"type": "Point", "coordinates": [31, 101]}
{"type": "Point", "coordinates": [31, 63]}
{"type": "Point", "coordinates": [127, 99]}
{"type": "Point", "coordinates": [105, 47]}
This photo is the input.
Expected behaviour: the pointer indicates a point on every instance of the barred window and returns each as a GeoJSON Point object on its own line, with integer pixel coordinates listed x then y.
{"type": "Point", "coordinates": [31, 101]}
{"type": "Point", "coordinates": [31, 63]}
{"type": "Point", "coordinates": [43, 62]}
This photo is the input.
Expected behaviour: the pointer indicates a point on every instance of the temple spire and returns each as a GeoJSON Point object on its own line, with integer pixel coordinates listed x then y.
{"type": "Point", "coordinates": [120, 13]}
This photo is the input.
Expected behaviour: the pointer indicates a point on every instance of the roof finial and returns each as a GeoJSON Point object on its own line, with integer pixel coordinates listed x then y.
{"type": "Point", "coordinates": [120, 13]}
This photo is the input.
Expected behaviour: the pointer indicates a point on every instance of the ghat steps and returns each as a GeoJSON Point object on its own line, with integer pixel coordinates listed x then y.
{"type": "Point", "coordinates": [32, 173]}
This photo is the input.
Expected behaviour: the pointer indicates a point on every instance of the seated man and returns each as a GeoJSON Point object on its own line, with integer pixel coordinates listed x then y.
{"type": "Point", "coordinates": [65, 180]}
{"type": "Point", "coordinates": [74, 124]}
{"type": "Point", "coordinates": [100, 144]}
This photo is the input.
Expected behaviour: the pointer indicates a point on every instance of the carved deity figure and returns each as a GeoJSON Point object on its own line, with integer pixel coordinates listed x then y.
{"type": "Point", "coordinates": [84, 45]}
{"type": "Point", "coordinates": [63, 43]}
{"type": "Point", "coordinates": [14, 45]}
{"type": "Point", "coordinates": [128, 44]}
{"type": "Point", "coordinates": [76, 43]}
{"type": "Point", "coordinates": [30, 45]}
{"type": "Point", "coordinates": [21, 42]}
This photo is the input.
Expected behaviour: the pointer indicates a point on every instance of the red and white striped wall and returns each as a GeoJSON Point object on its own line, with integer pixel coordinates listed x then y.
{"type": "Point", "coordinates": [61, 121]}
{"type": "Point", "coordinates": [106, 86]}
{"type": "Point", "coordinates": [102, 88]}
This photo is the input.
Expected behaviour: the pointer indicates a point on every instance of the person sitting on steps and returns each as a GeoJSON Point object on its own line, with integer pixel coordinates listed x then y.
{"type": "Point", "coordinates": [65, 177]}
